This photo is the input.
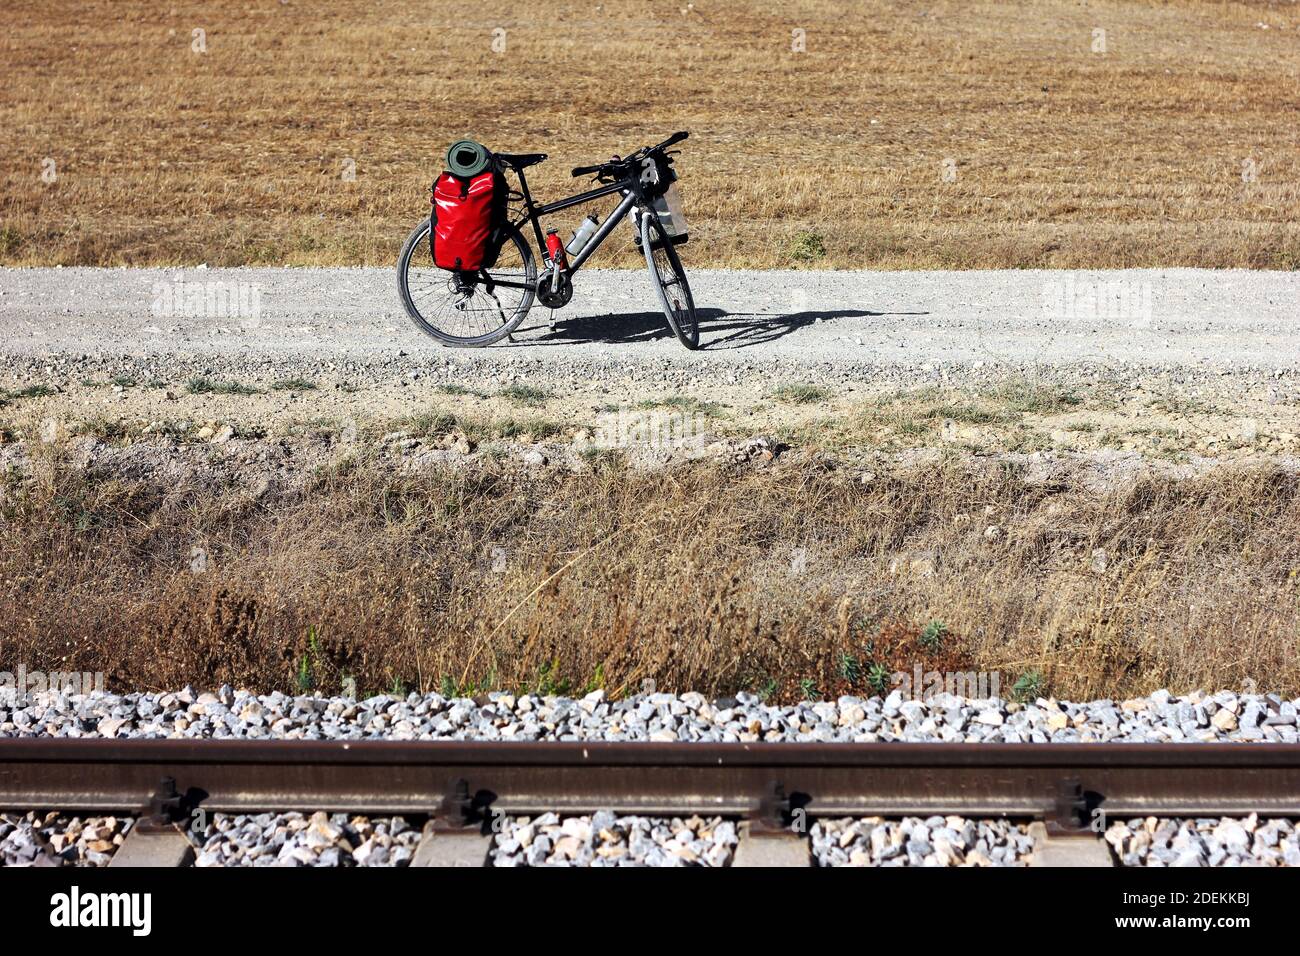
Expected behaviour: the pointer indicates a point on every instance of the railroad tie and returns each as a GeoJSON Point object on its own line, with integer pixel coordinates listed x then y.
{"type": "Point", "coordinates": [1069, 851]}
{"type": "Point", "coordinates": [442, 847]}
{"type": "Point", "coordinates": [161, 846]}
{"type": "Point", "coordinates": [762, 847]}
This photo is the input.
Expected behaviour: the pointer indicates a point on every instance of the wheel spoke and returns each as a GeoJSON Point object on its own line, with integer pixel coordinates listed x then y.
{"type": "Point", "coordinates": [666, 272]}
{"type": "Point", "coordinates": [468, 311]}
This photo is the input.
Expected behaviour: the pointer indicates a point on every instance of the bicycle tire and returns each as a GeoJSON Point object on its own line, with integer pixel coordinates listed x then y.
{"type": "Point", "coordinates": [673, 290]}
{"type": "Point", "coordinates": [438, 289]}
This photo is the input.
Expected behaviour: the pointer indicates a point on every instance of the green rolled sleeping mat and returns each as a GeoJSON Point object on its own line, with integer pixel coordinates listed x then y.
{"type": "Point", "coordinates": [467, 158]}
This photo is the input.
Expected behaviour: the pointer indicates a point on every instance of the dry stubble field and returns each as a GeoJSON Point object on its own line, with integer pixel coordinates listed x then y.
{"type": "Point", "coordinates": [967, 135]}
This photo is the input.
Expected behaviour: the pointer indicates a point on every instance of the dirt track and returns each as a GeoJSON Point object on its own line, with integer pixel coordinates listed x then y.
{"type": "Point", "coordinates": [818, 326]}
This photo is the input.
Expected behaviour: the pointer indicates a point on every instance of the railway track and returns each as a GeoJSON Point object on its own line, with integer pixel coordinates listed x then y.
{"type": "Point", "coordinates": [774, 789]}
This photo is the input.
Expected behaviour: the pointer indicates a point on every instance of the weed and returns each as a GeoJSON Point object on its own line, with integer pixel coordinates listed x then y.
{"type": "Point", "coordinates": [878, 678]}
{"type": "Point", "coordinates": [529, 396]}
{"type": "Point", "coordinates": [1035, 398]}
{"type": "Point", "coordinates": [104, 428]}
{"type": "Point", "coordinates": [932, 636]}
{"type": "Point", "coordinates": [1028, 687]}
{"type": "Point", "coordinates": [535, 428]}
{"type": "Point", "coordinates": [34, 391]}
{"type": "Point", "coordinates": [850, 668]}
{"type": "Point", "coordinates": [801, 394]}
{"type": "Point", "coordinates": [549, 683]}
{"type": "Point", "coordinates": [683, 403]}
{"type": "Point", "coordinates": [434, 423]}
{"type": "Point", "coordinates": [971, 414]}
{"type": "Point", "coordinates": [805, 247]}
{"type": "Point", "coordinates": [200, 385]}
{"type": "Point", "coordinates": [453, 389]}
{"type": "Point", "coordinates": [306, 679]}
{"type": "Point", "coordinates": [293, 385]}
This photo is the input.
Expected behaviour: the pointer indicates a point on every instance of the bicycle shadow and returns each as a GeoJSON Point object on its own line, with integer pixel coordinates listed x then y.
{"type": "Point", "coordinates": [719, 329]}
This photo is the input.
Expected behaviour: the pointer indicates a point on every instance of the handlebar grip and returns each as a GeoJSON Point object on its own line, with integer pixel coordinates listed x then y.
{"type": "Point", "coordinates": [585, 170]}
{"type": "Point", "coordinates": [676, 137]}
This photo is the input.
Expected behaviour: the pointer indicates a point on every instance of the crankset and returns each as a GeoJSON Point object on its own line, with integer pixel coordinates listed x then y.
{"type": "Point", "coordinates": [557, 297]}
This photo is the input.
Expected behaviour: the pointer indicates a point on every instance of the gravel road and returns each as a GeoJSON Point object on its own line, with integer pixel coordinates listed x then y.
{"type": "Point", "coordinates": [826, 325]}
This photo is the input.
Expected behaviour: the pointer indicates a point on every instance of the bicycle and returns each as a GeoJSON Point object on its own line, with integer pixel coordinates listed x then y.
{"type": "Point", "coordinates": [445, 304]}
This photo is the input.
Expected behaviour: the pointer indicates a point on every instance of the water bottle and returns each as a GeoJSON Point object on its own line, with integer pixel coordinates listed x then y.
{"type": "Point", "coordinates": [582, 235]}
{"type": "Point", "coordinates": [558, 261]}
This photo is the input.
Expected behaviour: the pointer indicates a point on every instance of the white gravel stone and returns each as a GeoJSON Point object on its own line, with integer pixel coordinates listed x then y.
{"type": "Point", "coordinates": [913, 841]}
{"type": "Point", "coordinates": [299, 839]}
{"type": "Point", "coordinates": [55, 839]}
{"type": "Point", "coordinates": [230, 713]}
{"type": "Point", "coordinates": [604, 839]}
{"type": "Point", "coordinates": [1208, 841]}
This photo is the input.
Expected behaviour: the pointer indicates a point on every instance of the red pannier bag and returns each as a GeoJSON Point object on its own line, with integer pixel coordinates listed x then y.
{"type": "Point", "coordinates": [465, 215]}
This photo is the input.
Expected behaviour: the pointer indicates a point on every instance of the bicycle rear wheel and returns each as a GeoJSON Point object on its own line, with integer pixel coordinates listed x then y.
{"type": "Point", "coordinates": [468, 310]}
{"type": "Point", "coordinates": [669, 280]}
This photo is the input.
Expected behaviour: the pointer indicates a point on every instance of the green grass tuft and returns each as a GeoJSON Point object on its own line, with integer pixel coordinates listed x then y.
{"type": "Point", "coordinates": [806, 247]}
{"type": "Point", "coordinates": [801, 394]}
{"type": "Point", "coordinates": [527, 395]}
{"type": "Point", "coordinates": [932, 636]}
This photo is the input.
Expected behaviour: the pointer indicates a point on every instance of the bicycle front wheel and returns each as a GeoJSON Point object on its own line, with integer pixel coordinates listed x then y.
{"type": "Point", "coordinates": [669, 280]}
{"type": "Point", "coordinates": [466, 309]}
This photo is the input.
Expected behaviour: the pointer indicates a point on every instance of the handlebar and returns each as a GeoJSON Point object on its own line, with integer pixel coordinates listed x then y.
{"type": "Point", "coordinates": [616, 164]}
{"type": "Point", "coordinates": [671, 140]}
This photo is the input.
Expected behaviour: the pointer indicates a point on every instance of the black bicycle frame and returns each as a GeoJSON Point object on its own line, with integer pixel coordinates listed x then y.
{"type": "Point", "coordinates": [534, 212]}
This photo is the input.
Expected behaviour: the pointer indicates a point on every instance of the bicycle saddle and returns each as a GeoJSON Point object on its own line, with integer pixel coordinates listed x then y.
{"type": "Point", "coordinates": [520, 160]}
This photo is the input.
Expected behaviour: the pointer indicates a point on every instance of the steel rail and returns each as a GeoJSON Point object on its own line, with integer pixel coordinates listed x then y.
{"type": "Point", "coordinates": [417, 777]}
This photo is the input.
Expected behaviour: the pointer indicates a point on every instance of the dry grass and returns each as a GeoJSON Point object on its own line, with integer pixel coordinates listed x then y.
{"type": "Point", "coordinates": [788, 580]}
{"type": "Point", "coordinates": [832, 157]}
